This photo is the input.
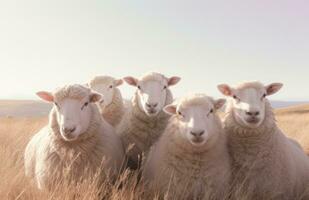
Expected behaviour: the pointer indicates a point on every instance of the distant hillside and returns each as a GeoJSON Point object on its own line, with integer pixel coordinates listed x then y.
{"type": "Point", "coordinates": [30, 108]}
{"type": "Point", "coordinates": [296, 109]}
{"type": "Point", "coordinates": [23, 108]}
{"type": "Point", "coordinates": [283, 104]}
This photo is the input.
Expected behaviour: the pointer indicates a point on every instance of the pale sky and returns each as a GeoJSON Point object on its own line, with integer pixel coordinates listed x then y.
{"type": "Point", "coordinates": [46, 44]}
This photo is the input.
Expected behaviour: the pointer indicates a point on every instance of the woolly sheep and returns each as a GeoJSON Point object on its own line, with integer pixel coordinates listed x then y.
{"type": "Point", "coordinates": [75, 143]}
{"type": "Point", "coordinates": [265, 163]}
{"type": "Point", "coordinates": [112, 105]}
{"type": "Point", "coordinates": [145, 120]}
{"type": "Point", "coordinates": [190, 160]}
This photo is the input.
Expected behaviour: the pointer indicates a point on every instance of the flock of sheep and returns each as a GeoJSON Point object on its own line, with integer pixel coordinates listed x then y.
{"type": "Point", "coordinates": [183, 148]}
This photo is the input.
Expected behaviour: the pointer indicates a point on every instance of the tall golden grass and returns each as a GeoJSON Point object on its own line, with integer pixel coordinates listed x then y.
{"type": "Point", "coordinates": [15, 133]}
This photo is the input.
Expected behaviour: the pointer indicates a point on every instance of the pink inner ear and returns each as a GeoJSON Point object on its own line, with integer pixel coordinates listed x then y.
{"type": "Point", "coordinates": [173, 80]}
{"type": "Point", "coordinates": [46, 96]}
{"type": "Point", "coordinates": [270, 90]}
{"type": "Point", "coordinates": [219, 103]}
{"type": "Point", "coordinates": [170, 109]}
{"type": "Point", "coordinates": [225, 89]}
{"type": "Point", "coordinates": [119, 82]}
{"type": "Point", "coordinates": [273, 88]}
{"type": "Point", "coordinates": [130, 80]}
{"type": "Point", "coordinates": [94, 97]}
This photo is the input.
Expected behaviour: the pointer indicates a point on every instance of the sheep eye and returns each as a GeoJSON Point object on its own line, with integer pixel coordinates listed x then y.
{"type": "Point", "coordinates": [139, 87]}
{"type": "Point", "coordinates": [264, 95]}
{"type": "Point", "coordinates": [86, 104]}
{"type": "Point", "coordinates": [211, 111]}
{"type": "Point", "coordinates": [236, 98]}
{"type": "Point", "coordinates": [179, 113]}
{"type": "Point", "coordinates": [110, 86]}
{"type": "Point", "coordinates": [165, 87]}
{"type": "Point", "coordinates": [56, 104]}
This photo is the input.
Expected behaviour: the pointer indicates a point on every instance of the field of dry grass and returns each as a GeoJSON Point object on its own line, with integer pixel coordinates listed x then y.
{"type": "Point", "coordinates": [14, 135]}
{"type": "Point", "coordinates": [16, 132]}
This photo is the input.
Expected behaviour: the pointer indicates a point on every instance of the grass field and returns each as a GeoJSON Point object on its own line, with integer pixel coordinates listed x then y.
{"type": "Point", "coordinates": [16, 132]}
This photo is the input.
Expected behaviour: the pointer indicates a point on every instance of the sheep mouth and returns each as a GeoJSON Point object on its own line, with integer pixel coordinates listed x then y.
{"type": "Point", "coordinates": [69, 137]}
{"type": "Point", "coordinates": [197, 141]}
{"type": "Point", "coordinates": [151, 112]}
{"type": "Point", "coordinates": [253, 121]}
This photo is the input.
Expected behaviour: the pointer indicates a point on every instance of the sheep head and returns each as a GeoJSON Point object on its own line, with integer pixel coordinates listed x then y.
{"type": "Point", "coordinates": [106, 86]}
{"type": "Point", "coordinates": [152, 91]}
{"type": "Point", "coordinates": [73, 111]}
{"type": "Point", "coordinates": [196, 117]}
{"type": "Point", "coordinates": [247, 101]}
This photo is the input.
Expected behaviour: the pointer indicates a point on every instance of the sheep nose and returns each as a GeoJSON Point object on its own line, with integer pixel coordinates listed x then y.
{"type": "Point", "coordinates": [197, 133]}
{"type": "Point", "coordinates": [151, 105]}
{"type": "Point", "coordinates": [256, 113]}
{"type": "Point", "coordinates": [68, 130]}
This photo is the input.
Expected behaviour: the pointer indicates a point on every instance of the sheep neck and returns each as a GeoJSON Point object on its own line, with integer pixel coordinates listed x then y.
{"type": "Point", "coordinates": [113, 112]}
{"type": "Point", "coordinates": [254, 143]}
{"type": "Point", "coordinates": [86, 137]}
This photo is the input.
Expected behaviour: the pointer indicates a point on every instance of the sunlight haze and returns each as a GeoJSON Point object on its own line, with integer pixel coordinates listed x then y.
{"type": "Point", "coordinates": [46, 44]}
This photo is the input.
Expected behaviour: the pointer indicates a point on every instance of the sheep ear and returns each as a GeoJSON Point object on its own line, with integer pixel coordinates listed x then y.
{"type": "Point", "coordinates": [273, 88]}
{"type": "Point", "coordinates": [46, 96]}
{"type": "Point", "coordinates": [170, 109]}
{"type": "Point", "coordinates": [118, 82]}
{"type": "Point", "coordinates": [131, 80]}
{"type": "Point", "coordinates": [225, 89]}
{"type": "Point", "coordinates": [173, 80]}
{"type": "Point", "coordinates": [219, 103]}
{"type": "Point", "coordinates": [95, 97]}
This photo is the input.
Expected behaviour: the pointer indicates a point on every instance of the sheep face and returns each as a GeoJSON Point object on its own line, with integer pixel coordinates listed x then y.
{"type": "Point", "coordinates": [73, 114]}
{"type": "Point", "coordinates": [248, 101]}
{"type": "Point", "coordinates": [152, 93]}
{"type": "Point", "coordinates": [198, 121]}
{"type": "Point", "coordinates": [106, 87]}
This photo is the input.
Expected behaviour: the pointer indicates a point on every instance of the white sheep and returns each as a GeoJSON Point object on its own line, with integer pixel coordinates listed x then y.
{"type": "Point", "coordinates": [76, 143]}
{"type": "Point", "coordinates": [111, 106]}
{"type": "Point", "coordinates": [145, 120]}
{"type": "Point", "coordinates": [265, 163]}
{"type": "Point", "coordinates": [190, 160]}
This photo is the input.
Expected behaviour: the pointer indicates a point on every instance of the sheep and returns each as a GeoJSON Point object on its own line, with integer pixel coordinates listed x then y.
{"type": "Point", "coordinates": [112, 105]}
{"type": "Point", "coordinates": [190, 160]}
{"type": "Point", "coordinates": [75, 144]}
{"type": "Point", "coordinates": [145, 120]}
{"type": "Point", "coordinates": [265, 163]}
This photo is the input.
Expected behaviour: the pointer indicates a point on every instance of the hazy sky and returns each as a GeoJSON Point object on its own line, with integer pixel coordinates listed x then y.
{"type": "Point", "coordinates": [45, 44]}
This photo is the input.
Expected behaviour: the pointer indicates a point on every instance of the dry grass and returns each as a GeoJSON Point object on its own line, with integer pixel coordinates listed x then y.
{"type": "Point", "coordinates": [16, 132]}
{"type": "Point", "coordinates": [294, 123]}
{"type": "Point", "coordinates": [14, 136]}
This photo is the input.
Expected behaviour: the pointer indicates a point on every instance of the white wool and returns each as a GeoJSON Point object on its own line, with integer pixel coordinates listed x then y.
{"type": "Point", "coordinates": [184, 171]}
{"type": "Point", "coordinates": [114, 112]}
{"type": "Point", "coordinates": [265, 163]}
{"type": "Point", "coordinates": [50, 159]}
{"type": "Point", "coordinates": [139, 131]}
